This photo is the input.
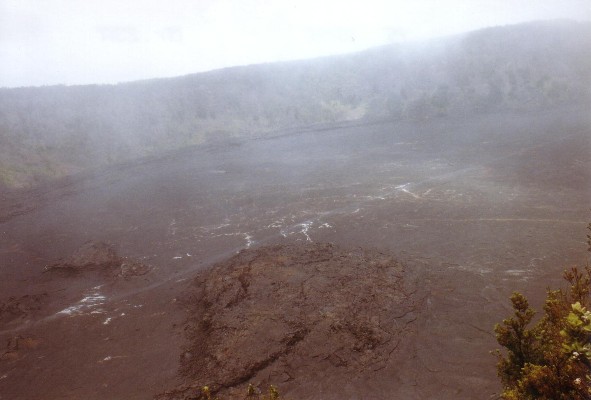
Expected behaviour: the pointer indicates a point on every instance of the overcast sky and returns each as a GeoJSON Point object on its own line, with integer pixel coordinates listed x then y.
{"type": "Point", "coordinates": [46, 42]}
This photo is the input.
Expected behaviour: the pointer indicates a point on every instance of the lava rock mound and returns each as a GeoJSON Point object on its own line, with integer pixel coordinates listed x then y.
{"type": "Point", "coordinates": [312, 319]}
{"type": "Point", "coordinates": [98, 256]}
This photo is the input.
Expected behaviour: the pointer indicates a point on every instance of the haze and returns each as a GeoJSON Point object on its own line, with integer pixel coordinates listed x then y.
{"type": "Point", "coordinates": [346, 226]}
{"type": "Point", "coordinates": [72, 42]}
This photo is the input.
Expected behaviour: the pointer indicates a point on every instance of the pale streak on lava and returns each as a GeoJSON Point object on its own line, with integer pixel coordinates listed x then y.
{"type": "Point", "coordinates": [172, 227]}
{"type": "Point", "coordinates": [304, 228]}
{"type": "Point", "coordinates": [405, 190]}
{"type": "Point", "coordinates": [87, 304]}
{"type": "Point", "coordinates": [248, 238]}
{"type": "Point", "coordinates": [534, 220]}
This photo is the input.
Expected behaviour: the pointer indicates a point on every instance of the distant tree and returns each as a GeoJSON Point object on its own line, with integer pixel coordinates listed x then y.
{"type": "Point", "coordinates": [441, 99]}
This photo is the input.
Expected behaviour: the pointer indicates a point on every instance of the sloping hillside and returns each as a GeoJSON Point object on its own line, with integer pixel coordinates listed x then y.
{"type": "Point", "coordinates": [55, 131]}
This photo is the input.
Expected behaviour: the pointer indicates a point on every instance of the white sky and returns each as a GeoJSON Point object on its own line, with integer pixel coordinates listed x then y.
{"type": "Point", "coordinates": [107, 41]}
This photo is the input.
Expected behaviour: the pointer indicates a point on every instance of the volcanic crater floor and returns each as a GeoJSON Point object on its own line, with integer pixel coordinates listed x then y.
{"type": "Point", "coordinates": [358, 262]}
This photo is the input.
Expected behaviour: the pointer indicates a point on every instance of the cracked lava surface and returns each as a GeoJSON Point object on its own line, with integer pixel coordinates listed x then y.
{"type": "Point", "coordinates": [472, 208]}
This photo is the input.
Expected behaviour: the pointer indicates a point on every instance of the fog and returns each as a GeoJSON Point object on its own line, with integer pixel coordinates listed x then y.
{"type": "Point", "coordinates": [71, 42]}
{"type": "Point", "coordinates": [55, 131]}
{"type": "Point", "coordinates": [157, 222]}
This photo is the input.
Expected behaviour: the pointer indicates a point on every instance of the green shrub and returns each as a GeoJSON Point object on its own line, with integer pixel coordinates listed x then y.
{"type": "Point", "coordinates": [551, 359]}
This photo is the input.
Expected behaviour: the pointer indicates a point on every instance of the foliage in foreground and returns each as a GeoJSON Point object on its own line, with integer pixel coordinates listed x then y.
{"type": "Point", "coordinates": [551, 359]}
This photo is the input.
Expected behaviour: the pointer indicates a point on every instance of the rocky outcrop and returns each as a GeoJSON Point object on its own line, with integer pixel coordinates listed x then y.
{"type": "Point", "coordinates": [98, 256]}
{"type": "Point", "coordinates": [306, 318]}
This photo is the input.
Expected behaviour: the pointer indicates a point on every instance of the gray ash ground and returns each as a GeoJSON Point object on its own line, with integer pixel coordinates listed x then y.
{"type": "Point", "coordinates": [477, 207]}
